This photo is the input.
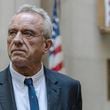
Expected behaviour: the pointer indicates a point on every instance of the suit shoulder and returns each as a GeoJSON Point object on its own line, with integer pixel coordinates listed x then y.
{"type": "Point", "coordinates": [63, 78]}
{"type": "Point", "coordinates": [3, 72]}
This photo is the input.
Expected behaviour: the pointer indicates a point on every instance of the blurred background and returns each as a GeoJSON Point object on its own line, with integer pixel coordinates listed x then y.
{"type": "Point", "coordinates": [85, 36]}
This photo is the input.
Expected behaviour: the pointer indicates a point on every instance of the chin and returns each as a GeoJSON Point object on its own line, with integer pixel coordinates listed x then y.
{"type": "Point", "coordinates": [19, 62]}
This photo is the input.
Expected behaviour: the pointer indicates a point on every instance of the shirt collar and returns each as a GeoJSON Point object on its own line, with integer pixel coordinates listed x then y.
{"type": "Point", "coordinates": [19, 78]}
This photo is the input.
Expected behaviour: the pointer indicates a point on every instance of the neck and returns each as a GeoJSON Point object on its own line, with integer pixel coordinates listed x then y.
{"type": "Point", "coordinates": [27, 70]}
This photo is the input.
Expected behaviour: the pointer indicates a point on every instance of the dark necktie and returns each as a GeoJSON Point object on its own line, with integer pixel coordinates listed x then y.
{"type": "Point", "coordinates": [32, 95]}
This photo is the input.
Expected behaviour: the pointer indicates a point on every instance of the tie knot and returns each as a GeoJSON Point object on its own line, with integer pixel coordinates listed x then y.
{"type": "Point", "coordinates": [28, 81]}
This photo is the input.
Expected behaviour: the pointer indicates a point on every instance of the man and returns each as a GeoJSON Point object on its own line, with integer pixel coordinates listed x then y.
{"type": "Point", "coordinates": [26, 84]}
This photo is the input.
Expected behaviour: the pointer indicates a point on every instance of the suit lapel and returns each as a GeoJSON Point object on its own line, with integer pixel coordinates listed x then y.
{"type": "Point", "coordinates": [7, 100]}
{"type": "Point", "coordinates": [53, 91]}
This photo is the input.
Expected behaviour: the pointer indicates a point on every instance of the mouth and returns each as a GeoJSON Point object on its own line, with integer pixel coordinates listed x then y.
{"type": "Point", "coordinates": [17, 51]}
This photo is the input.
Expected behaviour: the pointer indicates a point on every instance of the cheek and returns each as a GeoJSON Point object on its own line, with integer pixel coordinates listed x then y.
{"type": "Point", "coordinates": [35, 46]}
{"type": "Point", "coordinates": [37, 49]}
{"type": "Point", "coordinates": [9, 40]}
{"type": "Point", "coordinates": [9, 47]}
{"type": "Point", "coordinates": [8, 43]}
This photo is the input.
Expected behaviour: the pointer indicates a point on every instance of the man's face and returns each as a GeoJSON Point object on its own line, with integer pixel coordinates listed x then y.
{"type": "Point", "coordinates": [25, 42]}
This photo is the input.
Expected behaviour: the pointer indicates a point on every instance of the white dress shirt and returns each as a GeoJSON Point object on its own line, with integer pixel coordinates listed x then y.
{"type": "Point", "coordinates": [21, 90]}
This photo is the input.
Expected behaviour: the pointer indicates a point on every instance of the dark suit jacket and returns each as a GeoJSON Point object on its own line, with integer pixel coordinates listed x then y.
{"type": "Point", "coordinates": [63, 93]}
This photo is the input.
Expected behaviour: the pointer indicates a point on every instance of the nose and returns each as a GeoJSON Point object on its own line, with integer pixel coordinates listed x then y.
{"type": "Point", "coordinates": [18, 40]}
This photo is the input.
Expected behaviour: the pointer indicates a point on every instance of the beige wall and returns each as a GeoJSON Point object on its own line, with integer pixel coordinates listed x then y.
{"type": "Point", "coordinates": [85, 49]}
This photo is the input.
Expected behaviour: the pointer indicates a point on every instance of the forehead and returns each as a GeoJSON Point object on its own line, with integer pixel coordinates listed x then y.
{"type": "Point", "coordinates": [25, 19]}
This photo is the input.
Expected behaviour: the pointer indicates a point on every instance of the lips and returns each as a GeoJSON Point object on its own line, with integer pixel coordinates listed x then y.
{"type": "Point", "coordinates": [17, 51]}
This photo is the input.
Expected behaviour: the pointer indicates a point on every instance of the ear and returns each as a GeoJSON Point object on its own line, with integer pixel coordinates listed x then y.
{"type": "Point", "coordinates": [47, 44]}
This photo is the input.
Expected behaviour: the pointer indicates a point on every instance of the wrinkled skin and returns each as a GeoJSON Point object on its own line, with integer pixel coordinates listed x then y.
{"type": "Point", "coordinates": [26, 43]}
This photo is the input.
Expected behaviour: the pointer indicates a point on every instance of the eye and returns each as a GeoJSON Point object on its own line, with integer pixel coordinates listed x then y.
{"type": "Point", "coordinates": [28, 34]}
{"type": "Point", "coordinates": [12, 33]}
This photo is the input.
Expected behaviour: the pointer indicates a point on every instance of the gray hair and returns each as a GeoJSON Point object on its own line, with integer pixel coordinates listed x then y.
{"type": "Point", "coordinates": [47, 29]}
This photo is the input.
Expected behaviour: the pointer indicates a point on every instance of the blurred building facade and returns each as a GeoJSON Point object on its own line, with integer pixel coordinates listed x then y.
{"type": "Point", "coordinates": [85, 50]}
